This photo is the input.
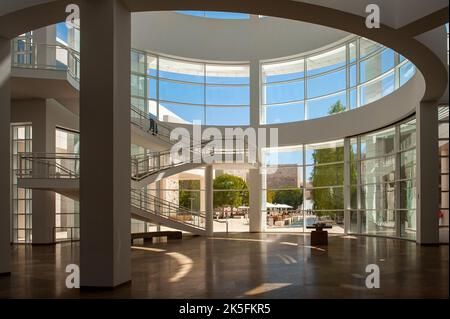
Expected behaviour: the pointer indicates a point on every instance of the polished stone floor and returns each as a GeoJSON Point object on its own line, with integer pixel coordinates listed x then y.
{"type": "Point", "coordinates": [245, 266]}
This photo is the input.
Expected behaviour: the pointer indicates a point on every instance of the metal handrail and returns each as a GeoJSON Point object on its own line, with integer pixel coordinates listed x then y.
{"type": "Point", "coordinates": [157, 161]}
{"type": "Point", "coordinates": [72, 65]}
{"type": "Point", "coordinates": [33, 165]}
{"type": "Point", "coordinates": [143, 201]}
{"type": "Point", "coordinates": [44, 165]}
{"type": "Point", "coordinates": [166, 209]}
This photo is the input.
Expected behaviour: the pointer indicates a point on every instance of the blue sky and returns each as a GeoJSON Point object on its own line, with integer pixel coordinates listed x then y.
{"type": "Point", "coordinates": [217, 14]}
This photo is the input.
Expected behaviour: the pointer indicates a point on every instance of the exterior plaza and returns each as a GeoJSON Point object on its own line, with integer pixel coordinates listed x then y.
{"type": "Point", "coordinates": [224, 149]}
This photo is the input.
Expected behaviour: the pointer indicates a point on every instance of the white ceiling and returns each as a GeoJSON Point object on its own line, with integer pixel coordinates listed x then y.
{"type": "Point", "coordinates": [227, 40]}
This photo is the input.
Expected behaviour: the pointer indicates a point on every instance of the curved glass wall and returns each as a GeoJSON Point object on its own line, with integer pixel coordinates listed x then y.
{"type": "Point", "coordinates": [182, 91]}
{"type": "Point", "coordinates": [382, 182]}
{"type": "Point", "coordinates": [370, 178]}
{"type": "Point", "coordinates": [304, 184]}
{"type": "Point", "coordinates": [339, 79]}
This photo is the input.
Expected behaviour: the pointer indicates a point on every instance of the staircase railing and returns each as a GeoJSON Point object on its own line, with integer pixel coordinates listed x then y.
{"type": "Point", "coordinates": [166, 209]}
{"type": "Point", "coordinates": [66, 166]}
{"type": "Point", "coordinates": [47, 57]}
{"type": "Point", "coordinates": [48, 165]}
{"type": "Point", "coordinates": [141, 119]}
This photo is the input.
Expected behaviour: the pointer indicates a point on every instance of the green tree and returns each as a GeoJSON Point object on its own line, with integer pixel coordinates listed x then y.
{"type": "Point", "coordinates": [336, 108]}
{"type": "Point", "coordinates": [237, 196]}
{"type": "Point", "coordinates": [291, 196]}
{"type": "Point", "coordinates": [189, 194]}
{"type": "Point", "coordinates": [270, 196]}
{"type": "Point", "coordinates": [330, 175]}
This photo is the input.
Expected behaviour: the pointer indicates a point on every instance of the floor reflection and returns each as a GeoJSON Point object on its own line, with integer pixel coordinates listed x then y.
{"type": "Point", "coordinates": [245, 266]}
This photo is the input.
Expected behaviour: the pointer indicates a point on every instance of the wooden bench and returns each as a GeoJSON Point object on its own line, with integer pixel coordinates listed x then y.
{"type": "Point", "coordinates": [150, 235]}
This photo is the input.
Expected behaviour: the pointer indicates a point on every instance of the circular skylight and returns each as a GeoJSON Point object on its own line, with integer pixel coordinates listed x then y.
{"type": "Point", "coordinates": [217, 15]}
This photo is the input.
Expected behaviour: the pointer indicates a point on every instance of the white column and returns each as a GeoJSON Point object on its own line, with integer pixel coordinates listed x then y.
{"type": "Point", "coordinates": [105, 144]}
{"type": "Point", "coordinates": [209, 201]}
{"type": "Point", "coordinates": [254, 94]}
{"type": "Point", "coordinates": [5, 149]}
{"type": "Point", "coordinates": [43, 203]}
{"type": "Point", "coordinates": [427, 174]}
{"type": "Point", "coordinates": [202, 194]}
{"type": "Point", "coordinates": [257, 214]}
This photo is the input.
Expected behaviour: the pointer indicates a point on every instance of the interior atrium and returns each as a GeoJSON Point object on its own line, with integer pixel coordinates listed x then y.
{"type": "Point", "coordinates": [195, 149]}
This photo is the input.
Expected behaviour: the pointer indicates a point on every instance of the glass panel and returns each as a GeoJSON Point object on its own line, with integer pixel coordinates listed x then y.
{"type": "Point", "coordinates": [408, 195]}
{"type": "Point", "coordinates": [326, 105]}
{"type": "Point", "coordinates": [323, 153]}
{"type": "Point", "coordinates": [152, 88]}
{"type": "Point", "coordinates": [353, 197]}
{"type": "Point", "coordinates": [178, 113]}
{"type": "Point", "coordinates": [353, 229]}
{"type": "Point", "coordinates": [329, 60]}
{"type": "Point", "coordinates": [226, 15]}
{"type": "Point", "coordinates": [284, 113]}
{"type": "Point", "coordinates": [152, 65]}
{"type": "Point", "coordinates": [227, 74]}
{"type": "Point", "coordinates": [352, 51]}
{"type": "Point", "coordinates": [375, 90]}
{"type": "Point", "coordinates": [227, 115]}
{"type": "Point", "coordinates": [283, 156]}
{"type": "Point", "coordinates": [408, 135]}
{"type": "Point", "coordinates": [152, 107]}
{"type": "Point", "coordinates": [325, 200]}
{"type": "Point", "coordinates": [327, 83]}
{"type": "Point", "coordinates": [379, 222]}
{"type": "Point", "coordinates": [216, 14]}
{"type": "Point", "coordinates": [227, 95]}
{"type": "Point", "coordinates": [283, 71]}
{"type": "Point", "coordinates": [379, 170]}
{"type": "Point", "coordinates": [407, 71]}
{"type": "Point", "coordinates": [286, 176]}
{"type": "Point", "coordinates": [408, 224]}
{"type": "Point", "coordinates": [378, 143]}
{"type": "Point", "coordinates": [376, 65]}
{"type": "Point", "coordinates": [181, 70]}
{"type": "Point", "coordinates": [137, 85]}
{"type": "Point", "coordinates": [408, 164]}
{"type": "Point", "coordinates": [325, 175]}
{"type": "Point", "coordinates": [137, 62]}
{"type": "Point", "coordinates": [353, 99]}
{"type": "Point", "coordinates": [353, 76]}
{"type": "Point", "coordinates": [181, 92]}
{"type": "Point", "coordinates": [367, 47]}
{"type": "Point", "coordinates": [138, 103]}
{"type": "Point", "coordinates": [284, 92]}
{"type": "Point", "coordinates": [379, 196]}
